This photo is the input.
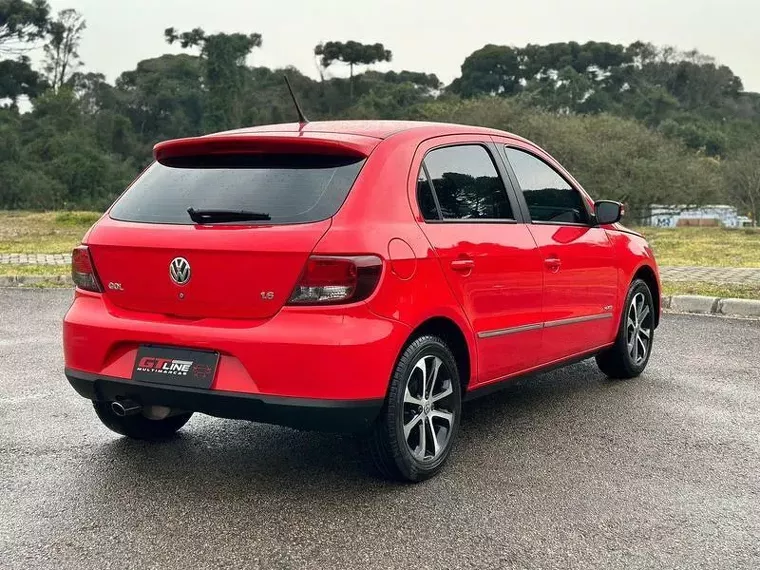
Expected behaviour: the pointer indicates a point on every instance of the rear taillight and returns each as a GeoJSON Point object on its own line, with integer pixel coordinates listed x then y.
{"type": "Point", "coordinates": [330, 280]}
{"type": "Point", "coordinates": [83, 271]}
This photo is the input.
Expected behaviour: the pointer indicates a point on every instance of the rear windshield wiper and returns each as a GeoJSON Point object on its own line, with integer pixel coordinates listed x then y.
{"type": "Point", "coordinates": [222, 216]}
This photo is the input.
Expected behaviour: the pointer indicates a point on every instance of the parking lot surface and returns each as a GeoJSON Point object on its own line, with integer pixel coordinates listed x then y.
{"type": "Point", "coordinates": [564, 470]}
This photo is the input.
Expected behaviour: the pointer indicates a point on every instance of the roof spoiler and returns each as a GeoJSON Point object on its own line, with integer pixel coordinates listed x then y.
{"type": "Point", "coordinates": [304, 143]}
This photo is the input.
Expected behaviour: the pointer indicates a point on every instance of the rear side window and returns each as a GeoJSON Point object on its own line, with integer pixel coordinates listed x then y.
{"type": "Point", "coordinates": [550, 197]}
{"type": "Point", "coordinates": [467, 184]}
{"type": "Point", "coordinates": [290, 188]}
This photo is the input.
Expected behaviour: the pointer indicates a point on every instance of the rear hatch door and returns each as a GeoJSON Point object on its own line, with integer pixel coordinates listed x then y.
{"type": "Point", "coordinates": [152, 257]}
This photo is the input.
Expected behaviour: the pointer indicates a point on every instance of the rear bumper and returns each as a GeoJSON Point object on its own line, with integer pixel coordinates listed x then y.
{"type": "Point", "coordinates": [328, 353]}
{"type": "Point", "coordinates": [300, 413]}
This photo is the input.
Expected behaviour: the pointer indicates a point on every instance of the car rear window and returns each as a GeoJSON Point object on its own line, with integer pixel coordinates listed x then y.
{"type": "Point", "coordinates": [290, 188]}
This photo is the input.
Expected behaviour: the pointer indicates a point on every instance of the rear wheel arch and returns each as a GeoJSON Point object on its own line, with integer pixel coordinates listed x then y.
{"type": "Point", "coordinates": [647, 275]}
{"type": "Point", "coordinates": [451, 333]}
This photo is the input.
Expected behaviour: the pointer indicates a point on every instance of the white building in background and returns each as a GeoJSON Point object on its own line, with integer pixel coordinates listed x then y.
{"type": "Point", "coordinates": [676, 216]}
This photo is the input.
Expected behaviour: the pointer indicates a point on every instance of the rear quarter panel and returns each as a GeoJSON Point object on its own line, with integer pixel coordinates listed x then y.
{"type": "Point", "coordinates": [378, 218]}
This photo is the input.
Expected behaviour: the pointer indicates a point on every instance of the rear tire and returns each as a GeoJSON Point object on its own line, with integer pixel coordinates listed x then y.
{"type": "Point", "coordinates": [138, 426]}
{"type": "Point", "coordinates": [629, 356]}
{"type": "Point", "coordinates": [413, 437]}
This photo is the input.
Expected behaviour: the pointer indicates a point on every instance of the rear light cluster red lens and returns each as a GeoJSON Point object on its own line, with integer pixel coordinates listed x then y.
{"type": "Point", "coordinates": [330, 280]}
{"type": "Point", "coordinates": [83, 271]}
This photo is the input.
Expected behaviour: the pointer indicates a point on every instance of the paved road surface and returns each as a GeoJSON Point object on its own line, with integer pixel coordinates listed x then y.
{"type": "Point", "coordinates": [568, 470]}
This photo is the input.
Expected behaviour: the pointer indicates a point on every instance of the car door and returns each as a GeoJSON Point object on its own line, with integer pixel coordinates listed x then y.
{"type": "Point", "coordinates": [580, 272]}
{"type": "Point", "coordinates": [488, 256]}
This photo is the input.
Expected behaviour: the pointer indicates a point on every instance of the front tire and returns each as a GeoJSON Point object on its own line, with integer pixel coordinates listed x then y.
{"type": "Point", "coordinates": [629, 356]}
{"type": "Point", "coordinates": [413, 437]}
{"type": "Point", "coordinates": [138, 426]}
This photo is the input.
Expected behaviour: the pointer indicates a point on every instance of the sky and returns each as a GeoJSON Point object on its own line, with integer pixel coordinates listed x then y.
{"type": "Point", "coordinates": [433, 36]}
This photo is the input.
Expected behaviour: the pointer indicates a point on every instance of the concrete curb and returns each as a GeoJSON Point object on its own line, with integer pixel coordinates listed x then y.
{"type": "Point", "coordinates": [700, 305]}
{"type": "Point", "coordinates": [695, 304]}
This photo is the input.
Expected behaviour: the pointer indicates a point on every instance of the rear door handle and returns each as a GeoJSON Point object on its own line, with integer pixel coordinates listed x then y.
{"type": "Point", "coordinates": [463, 265]}
{"type": "Point", "coordinates": [553, 264]}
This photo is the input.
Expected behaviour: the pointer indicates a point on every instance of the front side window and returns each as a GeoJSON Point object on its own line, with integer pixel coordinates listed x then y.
{"type": "Point", "coordinates": [549, 196]}
{"type": "Point", "coordinates": [467, 184]}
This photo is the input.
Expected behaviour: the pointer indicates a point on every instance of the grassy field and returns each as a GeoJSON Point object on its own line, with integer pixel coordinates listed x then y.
{"type": "Point", "coordinates": [7, 270]}
{"type": "Point", "coordinates": [706, 247]}
{"type": "Point", "coordinates": [49, 232]}
{"type": "Point", "coordinates": [59, 232]}
{"type": "Point", "coordinates": [723, 290]}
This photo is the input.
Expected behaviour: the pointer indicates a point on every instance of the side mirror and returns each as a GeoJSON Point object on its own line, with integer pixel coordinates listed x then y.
{"type": "Point", "coordinates": [607, 212]}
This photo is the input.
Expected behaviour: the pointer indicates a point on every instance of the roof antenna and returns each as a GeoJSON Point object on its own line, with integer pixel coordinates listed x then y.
{"type": "Point", "coordinates": [302, 120]}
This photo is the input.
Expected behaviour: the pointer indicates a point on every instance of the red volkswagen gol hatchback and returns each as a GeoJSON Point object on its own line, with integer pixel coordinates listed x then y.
{"type": "Point", "coordinates": [350, 276]}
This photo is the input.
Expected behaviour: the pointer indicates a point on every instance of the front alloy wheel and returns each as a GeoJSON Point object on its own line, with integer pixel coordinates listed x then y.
{"type": "Point", "coordinates": [413, 436]}
{"type": "Point", "coordinates": [639, 329]}
{"type": "Point", "coordinates": [630, 354]}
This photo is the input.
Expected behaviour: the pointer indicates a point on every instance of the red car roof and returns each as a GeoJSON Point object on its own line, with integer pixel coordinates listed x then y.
{"type": "Point", "coordinates": [375, 129]}
{"type": "Point", "coordinates": [354, 137]}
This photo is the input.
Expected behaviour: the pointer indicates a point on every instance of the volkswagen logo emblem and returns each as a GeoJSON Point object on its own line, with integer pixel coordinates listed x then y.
{"type": "Point", "coordinates": [179, 270]}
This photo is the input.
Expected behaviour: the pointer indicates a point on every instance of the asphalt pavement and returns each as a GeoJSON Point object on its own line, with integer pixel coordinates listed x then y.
{"type": "Point", "coordinates": [565, 470]}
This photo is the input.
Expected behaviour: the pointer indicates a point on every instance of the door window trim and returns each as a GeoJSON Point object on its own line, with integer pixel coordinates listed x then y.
{"type": "Point", "coordinates": [521, 196]}
{"type": "Point", "coordinates": [423, 168]}
{"type": "Point", "coordinates": [489, 147]}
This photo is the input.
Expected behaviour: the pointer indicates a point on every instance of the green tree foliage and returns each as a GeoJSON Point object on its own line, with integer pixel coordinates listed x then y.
{"type": "Point", "coordinates": [64, 34]}
{"type": "Point", "coordinates": [743, 179]}
{"type": "Point", "coordinates": [562, 74]}
{"type": "Point", "coordinates": [637, 123]}
{"type": "Point", "coordinates": [54, 160]}
{"type": "Point", "coordinates": [685, 95]}
{"type": "Point", "coordinates": [390, 95]}
{"type": "Point", "coordinates": [353, 53]}
{"type": "Point", "coordinates": [225, 76]}
{"type": "Point", "coordinates": [612, 157]}
{"type": "Point", "coordinates": [694, 79]}
{"type": "Point", "coordinates": [491, 70]}
{"type": "Point", "coordinates": [21, 23]}
{"type": "Point", "coordinates": [17, 78]}
{"type": "Point", "coordinates": [163, 97]}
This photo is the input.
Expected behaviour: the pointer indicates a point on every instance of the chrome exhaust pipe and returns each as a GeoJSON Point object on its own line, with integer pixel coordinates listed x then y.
{"type": "Point", "coordinates": [123, 408]}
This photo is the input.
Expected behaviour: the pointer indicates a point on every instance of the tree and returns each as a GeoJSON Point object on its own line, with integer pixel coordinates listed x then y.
{"type": "Point", "coordinates": [57, 160]}
{"type": "Point", "coordinates": [638, 123]}
{"type": "Point", "coordinates": [17, 78]}
{"type": "Point", "coordinates": [390, 95]}
{"type": "Point", "coordinates": [694, 79]}
{"type": "Point", "coordinates": [62, 48]}
{"type": "Point", "coordinates": [685, 95]}
{"type": "Point", "coordinates": [560, 75]}
{"type": "Point", "coordinates": [224, 57]}
{"type": "Point", "coordinates": [21, 23]}
{"type": "Point", "coordinates": [417, 78]}
{"type": "Point", "coordinates": [743, 181]}
{"type": "Point", "coordinates": [353, 53]}
{"type": "Point", "coordinates": [612, 157]}
{"type": "Point", "coordinates": [163, 97]}
{"type": "Point", "coordinates": [491, 70]}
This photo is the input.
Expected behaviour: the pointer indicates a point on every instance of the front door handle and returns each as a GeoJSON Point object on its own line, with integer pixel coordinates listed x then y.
{"type": "Point", "coordinates": [463, 265]}
{"type": "Point", "coordinates": [553, 264]}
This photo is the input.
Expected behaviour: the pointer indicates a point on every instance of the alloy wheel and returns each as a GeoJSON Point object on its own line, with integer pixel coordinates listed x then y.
{"type": "Point", "coordinates": [428, 411]}
{"type": "Point", "coordinates": [639, 329]}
